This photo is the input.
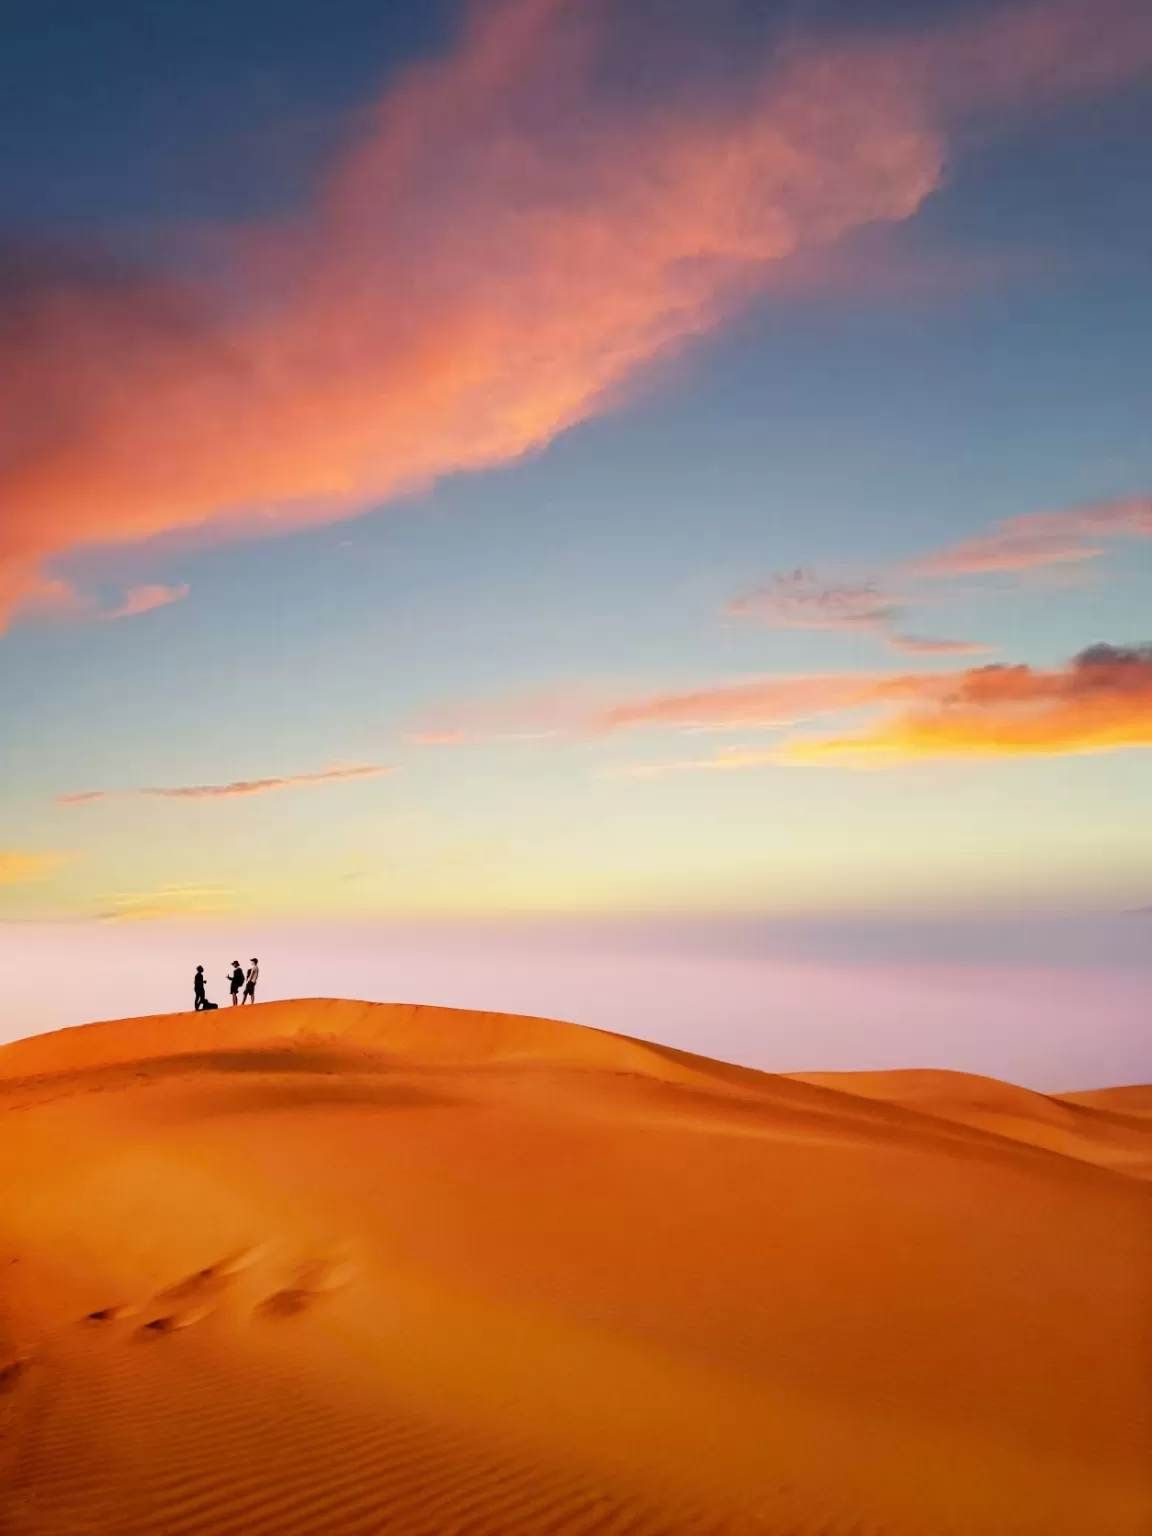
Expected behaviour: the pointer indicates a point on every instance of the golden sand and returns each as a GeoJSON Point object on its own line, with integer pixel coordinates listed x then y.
{"type": "Point", "coordinates": [341, 1269]}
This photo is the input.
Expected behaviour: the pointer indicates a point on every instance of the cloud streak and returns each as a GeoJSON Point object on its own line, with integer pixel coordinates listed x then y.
{"type": "Point", "coordinates": [800, 600]}
{"type": "Point", "coordinates": [237, 789]}
{"type": "Point", "coordinates": [144, 599]}
{"type": "Point", "coordinates": [1039, 539]}
{"type": "Point", "coordinates": [501, 250]}
{"type": "Point", "coordinates": [1034, 542]}
{"type": "Point", "coordinates": [760, 703]}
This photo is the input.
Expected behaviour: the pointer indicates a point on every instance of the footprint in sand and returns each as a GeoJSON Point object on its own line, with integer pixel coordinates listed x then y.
{"type": "Point", "coordinates": [213, 1279]}
{"type": "Point", "coordinates": [12, 1374]}
{"type": "Point", "coordinates": [201, 1286]}
{"type": "Point", "coordinates": [110, 1314]}
{"type": "Point", "coordinates": [314, 1279]}
{"type": "Point", "coordinates": [172, 1322]}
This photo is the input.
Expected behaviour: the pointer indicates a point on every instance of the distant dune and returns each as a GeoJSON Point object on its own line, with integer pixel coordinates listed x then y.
{"type": "Point", "coordinates": [327, 1268]}
{"type": "Point", "coordinates": [1107, 1127]}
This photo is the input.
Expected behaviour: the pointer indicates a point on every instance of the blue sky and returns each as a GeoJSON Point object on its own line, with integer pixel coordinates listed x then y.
{"type": "Point", "coordinates": [870, 400]}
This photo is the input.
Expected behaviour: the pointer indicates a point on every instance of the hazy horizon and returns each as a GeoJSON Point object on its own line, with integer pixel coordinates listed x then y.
{"type": "Point", "coordinates": [1055, 1005]}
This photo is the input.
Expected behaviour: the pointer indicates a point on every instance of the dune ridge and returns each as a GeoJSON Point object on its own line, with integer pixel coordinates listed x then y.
{"type": "Point", "coordinates": [338, 1267]}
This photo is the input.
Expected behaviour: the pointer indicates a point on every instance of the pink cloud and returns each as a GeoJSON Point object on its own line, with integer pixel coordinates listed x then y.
{"type": "Point", "coordinates": [799, 599]}
{"type": "Point", "coordinates": [144, 600]}
{"type": "Point", "coordinates": [1038, 539]}
{"type": "Point", "coordinates": [238, 788]}
{"type": "Point", "coordinates": [493, 259]}
{"type": "Point", "coordinates": [568, 713]}
{"type": "Point", "coordinates": [928, 645]}
{"type": "Point", "coordinates": [762, 703]}
{"type": "Point", "coordinates": [50, 597]}
{"type": "Point", "coordinates": [544, 715]}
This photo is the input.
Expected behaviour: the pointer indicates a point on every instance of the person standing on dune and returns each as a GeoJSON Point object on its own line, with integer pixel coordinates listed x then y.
{"type": "Point", "coordinates": [200, 999]}
{"type": "Point", "coordinates": [235, 981]}
{"type": "Point", "coordinates": [250, 982]}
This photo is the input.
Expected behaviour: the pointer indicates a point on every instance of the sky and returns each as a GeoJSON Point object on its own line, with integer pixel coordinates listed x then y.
{"type": "Point", "coordinates": [573, 460]}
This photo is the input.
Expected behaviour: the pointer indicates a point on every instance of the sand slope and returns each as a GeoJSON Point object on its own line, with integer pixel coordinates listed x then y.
{"type": "Point", "coordinates": [325, 1268]}
{"type": "Point", "coordinates": [1106, 1127]}
{"type": "Point", "coordinates": [1122, 1101]}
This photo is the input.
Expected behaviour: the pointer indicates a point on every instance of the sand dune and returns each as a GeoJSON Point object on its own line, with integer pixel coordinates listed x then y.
{"type": "Point", "coordinates": [332, 1269]}
{"type": "Point", "coordinates": [1104, 1127]}
{"type": "Point", "coordinates": [1122, 1101]}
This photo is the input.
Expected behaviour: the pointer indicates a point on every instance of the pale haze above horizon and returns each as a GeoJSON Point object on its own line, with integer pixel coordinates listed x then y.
{"type": "Point", "coordinates": [640, 512]}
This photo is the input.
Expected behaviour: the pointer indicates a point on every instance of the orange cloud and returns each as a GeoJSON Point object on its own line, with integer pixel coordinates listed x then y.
{"type": "Point", "coordinates": [22, 868]}
{"type": "Point", "coordinates": [1042, 539]}
{"type": "Point", "coordinates": [144, 600]}
{"type": "Point", "coordinates": [493, 259]}
{"type": "Point", "coordinates": [1100, 702]}
{"type": "Point", "coordinates": [238, 787]}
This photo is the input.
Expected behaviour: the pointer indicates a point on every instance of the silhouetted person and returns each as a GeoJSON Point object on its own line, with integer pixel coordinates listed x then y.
{"type": "Point", "coordinates": [236, 981]}
{"type": "Point", "coordinates": [250, 981]}
{"type": "Point", "coordinates": [201, 1002]}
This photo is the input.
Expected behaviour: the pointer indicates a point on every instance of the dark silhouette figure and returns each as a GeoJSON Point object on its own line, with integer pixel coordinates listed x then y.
{"type": "Point", "coordinates": [201, 1001]}
{"type": "Point", "coordinates": [250, 981]}
{"type": "Point", "coordinates": [235, 981]}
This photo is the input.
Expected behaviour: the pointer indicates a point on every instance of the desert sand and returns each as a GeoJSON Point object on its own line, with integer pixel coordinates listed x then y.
{"type": "Point", "coordinates": [321, 1268]}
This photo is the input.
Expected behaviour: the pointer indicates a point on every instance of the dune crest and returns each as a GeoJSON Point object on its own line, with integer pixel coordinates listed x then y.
{"type": "Point", "coordinates": [325, 1267]}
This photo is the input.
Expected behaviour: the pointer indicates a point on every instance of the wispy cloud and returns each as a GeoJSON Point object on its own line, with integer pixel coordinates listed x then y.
{"type": "Point", "coordinates": [53, 597]}
{"type": "Point", "coordinates": [23, 868]}
{"type": "Point", "coordinates": [729, 760]}
{"type": "Point", "coordinates": [237, 788]}
{"type": "Point", "coordinates": [931, 645]}
{"type": "Point", "coordinates": [48, 597]}
{"type": "Point", "coordinates": [547, 714]}
{"type": "Point", "coordinates": [168, 901]}
{"type": "Point", "coordinates": [498, 253]}
{"type": "Point", "coordinates": [1034, 544]}
{"type": "Point", "coordinates": [1039, 539]}
{"type": "Point", "coordinates": [762, 703]}
{"type": "Point", "coordinates": [568, 713]}
{"type": "Point", "coordinates": [144, 600]}
{"type": "Point", "coordinates": [800, 599]}
{"type": "Point", "coordinates": [1100, 702]}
